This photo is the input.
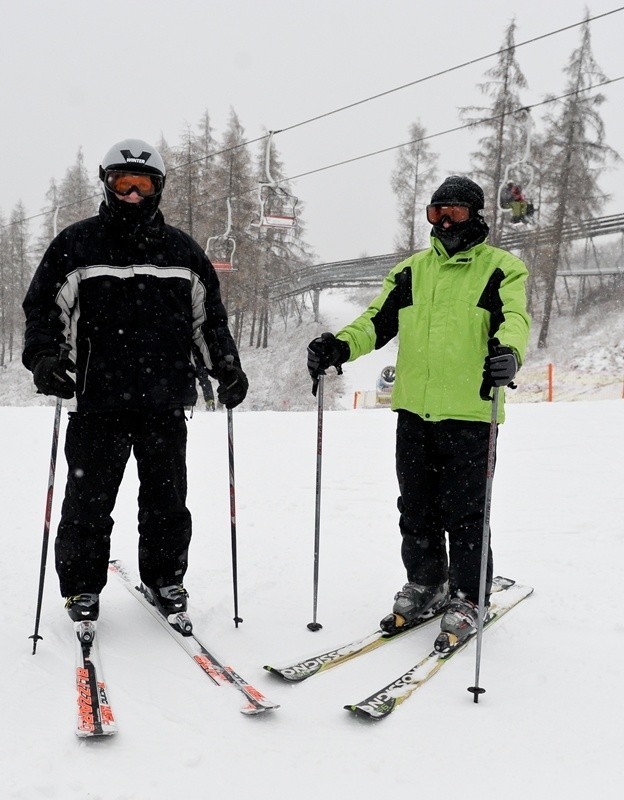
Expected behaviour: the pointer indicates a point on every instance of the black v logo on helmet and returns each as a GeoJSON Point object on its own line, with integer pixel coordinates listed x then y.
{"type": "Point", "coordinates": [135, 159]}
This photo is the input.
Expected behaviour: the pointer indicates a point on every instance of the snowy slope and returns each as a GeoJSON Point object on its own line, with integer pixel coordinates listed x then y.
{"type": "Point", "coordinates": [549, 725]}
{"type": "Point", "coordinates": [587, 353]}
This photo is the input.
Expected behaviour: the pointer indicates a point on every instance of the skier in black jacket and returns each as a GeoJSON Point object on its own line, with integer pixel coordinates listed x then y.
{"type": "Point", "coordinates": [132, 307]}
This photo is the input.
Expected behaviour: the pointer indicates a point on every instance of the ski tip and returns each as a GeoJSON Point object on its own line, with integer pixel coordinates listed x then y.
{"type": "Point", "coordinates": [290, 674]}
{"type": "Point", "coordinates": [253, 710]}
{"type": "Point", "coordinates": [362, 713]}
{"type": "Point", "coordinates": [502, 583]}
{"type": "Point", "coordinates": [110, 731]}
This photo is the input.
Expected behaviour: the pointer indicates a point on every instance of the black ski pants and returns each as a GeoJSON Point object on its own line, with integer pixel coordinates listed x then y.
{"type": "Point", "coordinates": [442, 473]}
{"type": "Point", "coordinates": [97, 448]}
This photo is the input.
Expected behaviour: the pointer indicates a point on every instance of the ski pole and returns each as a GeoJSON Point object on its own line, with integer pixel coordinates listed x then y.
{"type": "Point", "coordinates": [46, 525]}
{"type": "Point", "coordinates": [314, 625]}
{"type": "Point", "coordinates": [230, 427]}
{"type": "Point", "coordinates": [229, 360]}
{"type": "Point", "coordinates": [485, 546]}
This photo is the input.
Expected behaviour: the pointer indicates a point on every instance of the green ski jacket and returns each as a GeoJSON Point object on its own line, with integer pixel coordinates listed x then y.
{"type": "Point", "coordinates": [445, 310]}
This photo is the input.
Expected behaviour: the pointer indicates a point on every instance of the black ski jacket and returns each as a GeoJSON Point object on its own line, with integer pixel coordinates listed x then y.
{"type": "Point", "coordinates": [139, 308]}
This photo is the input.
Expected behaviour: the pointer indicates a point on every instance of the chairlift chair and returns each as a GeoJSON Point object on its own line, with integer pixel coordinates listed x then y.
{"type": "Point", "coordinates": [519, 173]}
{"type": "Point", "coordinates": [277, 206]}
{"type": "Point", "coordinates": [220, 249]}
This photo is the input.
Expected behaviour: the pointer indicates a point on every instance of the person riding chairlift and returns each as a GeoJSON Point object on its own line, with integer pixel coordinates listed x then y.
{"type": "Point", "coordinates": [513, 198]}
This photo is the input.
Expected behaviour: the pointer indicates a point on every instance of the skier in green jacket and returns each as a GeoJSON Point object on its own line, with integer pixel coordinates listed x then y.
{"type": "Point", "coordinates": [459, 310]}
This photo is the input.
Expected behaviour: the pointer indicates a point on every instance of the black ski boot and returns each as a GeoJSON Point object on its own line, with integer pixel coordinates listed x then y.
{"type": "Point", "coordinates": [458, 624]}
{"type": "Point", "coordinates": [413, 604]}
{"type": "Point", "coordinates": [84, 606]}
{"type": "Point", "coordinates": [171, 601]}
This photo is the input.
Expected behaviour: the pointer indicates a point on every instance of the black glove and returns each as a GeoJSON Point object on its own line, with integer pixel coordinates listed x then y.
{"type": "Point", "coordinates": [326, 351]}
{"type": "Point", "coordinates": [233, 383]}
{"type": "Point", "coordinates": [499, 368]}
{"type": "Point", "coordinates": [50, 375]}
{"type": "Point", "coordinates": [323, 352]}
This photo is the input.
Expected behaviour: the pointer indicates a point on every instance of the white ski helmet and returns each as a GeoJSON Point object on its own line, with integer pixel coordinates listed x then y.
{"type": "Point", "coordinates": [137, 156]}
{"type": "Point", "coordinates": [133, 155]}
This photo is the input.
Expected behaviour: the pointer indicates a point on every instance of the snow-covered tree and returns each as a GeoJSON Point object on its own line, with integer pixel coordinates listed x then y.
{"type": "Point", "coordinates": [79, 194]}
{"type": "Point", "coordinates": [15, 273]}
{"type": "Point", "coordinates": [575, 155]}
{"type": "Point", "coordinates": [505, 129]}
{"type": "Point", "coordinates": [412, 182]}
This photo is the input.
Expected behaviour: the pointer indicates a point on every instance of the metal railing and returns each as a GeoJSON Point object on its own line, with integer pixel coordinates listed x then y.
{"type": "Point", "coordinates": [371, 270]}
{"type": "Point", "coordinates": [367, 271]}
{"type": "Point", "coordinates": [534, 236]}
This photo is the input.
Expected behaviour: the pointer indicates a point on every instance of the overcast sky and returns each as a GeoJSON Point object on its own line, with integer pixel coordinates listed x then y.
{"type": "Point", "coordinates": [87, 73]}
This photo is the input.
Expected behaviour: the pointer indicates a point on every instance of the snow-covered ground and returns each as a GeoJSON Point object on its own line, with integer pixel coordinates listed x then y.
{"type": "Point", "coordinates": [549, 725]}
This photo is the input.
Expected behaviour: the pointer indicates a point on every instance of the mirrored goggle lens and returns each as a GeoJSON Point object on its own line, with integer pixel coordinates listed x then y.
{"type": "Point", "coordinates": [125, 182]}
{"type": "Point", "coordinates": [435, 214]}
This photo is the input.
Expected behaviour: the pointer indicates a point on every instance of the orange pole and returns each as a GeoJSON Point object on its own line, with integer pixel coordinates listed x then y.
{"type": "Point", "coordinates": [550, 382]}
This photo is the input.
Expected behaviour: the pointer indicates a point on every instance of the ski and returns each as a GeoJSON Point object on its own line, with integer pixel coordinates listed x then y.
{"type": "Point", "coordinates": [382, 703]}
{"type": "Point", "coordinates": [307, 667]}
{"type": "Point", "coordinates": [94, 715]}
{"type": "Point", "coordinates": [218, 673]}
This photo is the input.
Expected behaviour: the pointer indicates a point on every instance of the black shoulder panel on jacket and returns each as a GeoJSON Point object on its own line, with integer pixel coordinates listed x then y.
{"type": "Point", "coordinates": [491, 301]}
{"type": "Point", "coordinates": [386, 321]}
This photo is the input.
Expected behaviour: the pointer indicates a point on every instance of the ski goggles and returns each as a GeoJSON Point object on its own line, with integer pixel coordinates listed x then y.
{"type": "Point", "coordinates": [455, 213]}
{"type": "Point", "coordinates": [125, 182]}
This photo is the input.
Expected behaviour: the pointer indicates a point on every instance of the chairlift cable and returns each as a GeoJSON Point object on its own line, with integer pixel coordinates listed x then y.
{"type": "Point", "coordinates": [451, 69]}
{"type": "Point", "coordinates": [474, 123]}
{"type": "Point", "coordinates": [411, 83]}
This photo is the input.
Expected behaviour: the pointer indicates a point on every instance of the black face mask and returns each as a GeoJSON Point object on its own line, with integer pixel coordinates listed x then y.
{"type": "Point", "coordinates": [462, 235]}
{"type": "Point", "coordinates": [131, 215]}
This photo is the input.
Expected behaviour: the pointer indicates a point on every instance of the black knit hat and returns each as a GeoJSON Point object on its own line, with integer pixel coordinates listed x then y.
{"type": "Point", "coordinates": [458, 189]}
